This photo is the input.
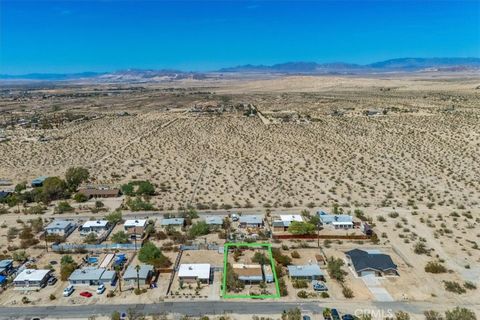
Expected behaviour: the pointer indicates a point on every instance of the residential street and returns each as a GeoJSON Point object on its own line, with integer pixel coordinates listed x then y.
{"type": "Point", "coordinates": [198, 308]}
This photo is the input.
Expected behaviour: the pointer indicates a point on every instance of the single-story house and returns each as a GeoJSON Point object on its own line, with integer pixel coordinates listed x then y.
{"type": "Point", "coordinates": [174, 222]}
{"type": "Point", "coordinates": [6, 266]}
{"type": "Point", "coordinates": [100, 193]}
{"type": "Point", "coordinates": [251, 221]}
{"type": "Point", "coordinates": [135, 228]}
{"type": "Point", "coordinates": [249, 273]}
{"type": "Point", "coordinates": [145, 274]}
{"type": "Point", "coordinates": [193, 272]}
{"type": "Point", "coordinates": [91, 276]}
{"type": "Point", "coordinates": [214, 221]}
{"type": "Point", "coordinates": [97, 226]}
{"type": "Point", "coordinates": [283, 221]}
{"type": "Point", "coordinates": [306, 272]}
{"type": "Point", "coordinates": [338, 221]}
{"type": "Point", "coordinates": [371, 263]}
{"type": "Point", "coordinates": [60, 227]}
{"type": "Point", "coordinates": [31, 279]}
{"type": "Point", "coordinates": [38, 182]}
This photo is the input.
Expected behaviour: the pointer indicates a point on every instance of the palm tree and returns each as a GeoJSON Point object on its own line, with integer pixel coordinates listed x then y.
{"type": "Point", "coordinates": [117, 271]}
{"type": "Point", "coordinates": [137, 268]}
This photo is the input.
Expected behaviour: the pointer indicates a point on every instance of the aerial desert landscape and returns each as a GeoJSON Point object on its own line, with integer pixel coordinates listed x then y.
{"type": "Point", "coordinates": [402, 149]}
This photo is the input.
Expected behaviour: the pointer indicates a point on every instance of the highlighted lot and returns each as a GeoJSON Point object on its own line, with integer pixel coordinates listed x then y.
{"type": "Point", "coordinates": [268, 248]}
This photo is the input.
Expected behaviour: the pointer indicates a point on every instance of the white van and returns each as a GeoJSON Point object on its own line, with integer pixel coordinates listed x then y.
{"type": "Point", "coordinates": [68, 291]}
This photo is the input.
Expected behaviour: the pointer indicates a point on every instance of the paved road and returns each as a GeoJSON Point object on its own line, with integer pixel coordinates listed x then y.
{"type": "Point", "coordinates": [197, 308]}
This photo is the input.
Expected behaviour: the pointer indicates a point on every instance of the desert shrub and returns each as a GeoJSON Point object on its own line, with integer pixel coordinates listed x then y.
{"type": "Point", "coordinates": [52, 297]}
{"type": "Point", "coordinates": [63, 207]}
{"type": "Point", "coordinates": [420, 248]}
{"type": "Point", "coordinates": [300, 284]}
{"type": "Point", "coordinates": [469, 285]}
{"type": "Point", "coordinates": [302, 294]}
{"type": "Point", "coordinates": [91, 238]}
{"type": "Point", "coordinates": [80, 197]}
{"type": "Point", "coordinates": [149, 253]}
{"type": "Point", "coordinates": [453, 286]}
{"type": "Point", "coordinates": [433, 315]}
{"type": "Point", "coordinates": [460, 313]}
{"type": "Point", "coordinates": [347, 292]}
{"type": "Point", "coordinates": [435, 267]}
{"type": "Point", "coordinates": [282, 259]}
{"type": "Point", "coordinates": [295, 254]}
{"type": "Point", "coordinates": [334, 267]}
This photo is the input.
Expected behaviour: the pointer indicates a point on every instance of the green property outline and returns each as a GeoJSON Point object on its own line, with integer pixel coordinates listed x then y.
{"type": "Point", "coordinates": [272, 263]}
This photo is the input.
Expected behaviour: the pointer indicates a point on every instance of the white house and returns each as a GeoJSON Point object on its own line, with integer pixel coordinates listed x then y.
{"type": "Point", "coordinates": [284, 220]}
{"type": "Point", "coordinates": [135, 228]}
{"type": "Point", "coordinates": [31, 279]}
{"type": "Point", "coordinates": [194, 272]}
{"type": "Point", "coordinates": [60, 227]}
{"type": "Point", "coordinates": [337, 221]}
{"type": "Point", "coordinates": [97, 226]}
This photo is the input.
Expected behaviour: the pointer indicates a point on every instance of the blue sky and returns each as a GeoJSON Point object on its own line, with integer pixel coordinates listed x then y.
{"type": "Point", "coordinates": [75, 36]}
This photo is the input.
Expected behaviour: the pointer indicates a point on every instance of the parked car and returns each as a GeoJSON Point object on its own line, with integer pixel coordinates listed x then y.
{"type": "Point", "coordinates": [235, 217]}
{"type": "Point", "coordinates": [86, 294]}
{"type": "Point", "coordinates": [335, 314]}
{"type": "Point", "coordinates": [349, 317]}
{"type": "Point", "coordinates": [101, 289]}
{"type": "Point", "coordinates": [68, 291]}
{"type": "Point", "coordinates": [51, 281]}
{"type": "Point", "coordinates": [306, 318]}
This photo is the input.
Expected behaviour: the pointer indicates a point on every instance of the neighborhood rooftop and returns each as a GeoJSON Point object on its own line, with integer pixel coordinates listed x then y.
{"type": "Point", "coordinates": [363, 260]}
{"type": "Point", "coordinates": [58, 224]}
{"type": "Point", "coordinates": [143, 272]}
{"type": "Point", "coordinates": [32, 275]}
{"type": "Point", "coordinates": [308, 270]}
{"type": "Point", "coordinates": [172, 221]}
{"type": "Point", "coordinates": [95, 223]}
{"type": "Point", "coordinates": [251, 219]}
{"type": "Point", "coordinates": [198, 270]}
{"type": "Point", "coordinates": [215, 220]}
{"type": "Point", "coordinates": [135, 223]}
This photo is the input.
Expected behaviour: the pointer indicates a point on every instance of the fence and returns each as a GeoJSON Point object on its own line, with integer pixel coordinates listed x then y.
{"type": "Point", "coordinates": [93, 247]}
{"type": "Point", "coordinates": [322, 236]}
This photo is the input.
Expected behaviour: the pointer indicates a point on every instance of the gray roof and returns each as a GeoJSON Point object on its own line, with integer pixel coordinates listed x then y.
{"type": "Point", "coordinates": [250, 219]}
{"type": "Point", "coordinates": [363, 260]}
{"type": "Point", "coordinates": [308, 270]}
{"type": "Point", "coordinates": [172, 222]}
{"type": "Point", "coordinates": [87, 274]}
{"type": "Point", "coordinates": [58, 224]}
{"type": "Point", "coordinates": [108, 275]}
{"type": "Point", "coordinates": [214, 220]}
{"type": "Point", "coordinates": [331, 218]}
{"type": "Point", "coordinates": [131, 272]}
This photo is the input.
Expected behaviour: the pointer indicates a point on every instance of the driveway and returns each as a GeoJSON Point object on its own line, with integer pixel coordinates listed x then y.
{"type": "Point", "coordinates": [375, 287]}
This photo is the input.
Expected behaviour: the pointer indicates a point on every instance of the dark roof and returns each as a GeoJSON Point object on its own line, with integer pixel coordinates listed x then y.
{"type": "Point", "coordinates": [100, 192]}
{"type": "Point", "coordinates": [362, 260]}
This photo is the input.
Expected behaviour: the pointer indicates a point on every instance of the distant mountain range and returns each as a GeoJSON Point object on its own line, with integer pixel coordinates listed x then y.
{"type": "Point", "coordinates": [399, 65]}
{"type": "Point", "coordinates": [142, 75]}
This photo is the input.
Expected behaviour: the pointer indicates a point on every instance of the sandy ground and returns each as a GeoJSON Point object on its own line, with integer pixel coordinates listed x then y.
{"type": "Point", "coordinates": [418, 158]}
